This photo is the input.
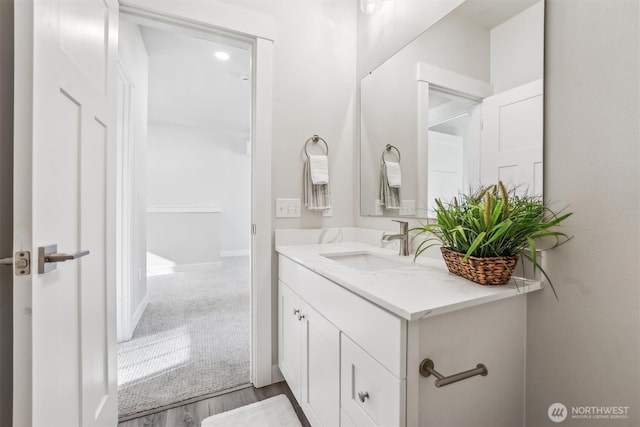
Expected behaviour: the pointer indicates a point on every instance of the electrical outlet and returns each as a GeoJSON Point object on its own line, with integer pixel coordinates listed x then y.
{"type": "Point", "coordinates": [287, 208]}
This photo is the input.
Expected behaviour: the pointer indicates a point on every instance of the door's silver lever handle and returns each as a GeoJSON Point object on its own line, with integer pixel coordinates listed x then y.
{"type": "Point", "coordinates": [64, 257]}
{"type": "Point", "coordinates": [48, 258]}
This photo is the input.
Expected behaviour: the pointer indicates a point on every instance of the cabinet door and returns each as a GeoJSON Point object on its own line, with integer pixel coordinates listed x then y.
{"type": "Point", "coordinates": [289, 343]}
{"type": "Point", "coordinates": [370, 394]}
{"type": "Point", "coordinates": [320, 369]}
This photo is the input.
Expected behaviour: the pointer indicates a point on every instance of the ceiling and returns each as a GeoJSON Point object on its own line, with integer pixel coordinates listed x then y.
{"type": "Point", "coordinates": [491, 13]}
{"type": "Point", "coordinates": [189, 86]}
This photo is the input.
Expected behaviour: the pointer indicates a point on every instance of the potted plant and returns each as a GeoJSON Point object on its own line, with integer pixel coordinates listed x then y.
{"type": "Point", "coordinates": [483, 234]}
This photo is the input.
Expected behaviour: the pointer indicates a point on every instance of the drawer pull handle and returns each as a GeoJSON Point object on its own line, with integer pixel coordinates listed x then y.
{"type": "Point", "coordinates": [363, 395]}
{"type": "Point", "coordinates": [296, 311]}
{"type": "Point", "coordinates": [427, 368]}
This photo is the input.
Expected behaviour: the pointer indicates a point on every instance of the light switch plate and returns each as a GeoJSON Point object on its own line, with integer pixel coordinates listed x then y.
{"type": "Point", "coordinates": [287, 208]}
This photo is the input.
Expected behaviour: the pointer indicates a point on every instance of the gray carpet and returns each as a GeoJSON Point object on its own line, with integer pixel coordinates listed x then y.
{"type": "Point", "coordinates": [192, 340]}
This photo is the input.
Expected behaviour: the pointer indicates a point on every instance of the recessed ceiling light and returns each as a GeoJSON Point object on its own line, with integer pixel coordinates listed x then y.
{"type": "Point", "coordinates": [223, 56]}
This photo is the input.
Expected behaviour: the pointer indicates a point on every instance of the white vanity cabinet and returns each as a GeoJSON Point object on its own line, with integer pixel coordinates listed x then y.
{"type": "Point", "coordinates": [326, 338]}
{"type": "Point", "coordinates": [309, 358]}
{"type": "Point", "coordinates": [350, 362]}
{"type": "Point", "coordinates": [290, 338]}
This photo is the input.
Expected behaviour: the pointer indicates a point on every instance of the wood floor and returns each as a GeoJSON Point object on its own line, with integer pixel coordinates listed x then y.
{"type": "Point", "coordinates": [192, 414]}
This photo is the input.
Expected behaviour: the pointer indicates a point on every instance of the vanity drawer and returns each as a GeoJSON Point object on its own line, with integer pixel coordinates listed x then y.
{"type": "Point", "coordinates": [369, 394]}
{"type": "Point", "coordinates": [382, 334]}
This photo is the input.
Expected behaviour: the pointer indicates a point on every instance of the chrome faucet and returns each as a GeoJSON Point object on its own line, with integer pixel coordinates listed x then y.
{"type": "Point", "coordinates": [403, 237]}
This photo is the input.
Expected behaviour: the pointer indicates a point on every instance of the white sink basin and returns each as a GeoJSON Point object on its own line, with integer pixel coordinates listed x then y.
{"type": "Point", "coordinates": [366, 261]}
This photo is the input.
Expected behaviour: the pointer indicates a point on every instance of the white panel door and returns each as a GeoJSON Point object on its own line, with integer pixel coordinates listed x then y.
{"type": "Point", "coordinates": [445, 168]}
{"type": "Point", "coordinates": [65, 157]}
{"type": "Point", "coordinates": [289, 336]}
{"type": "Point", "coordinates": [511, 139]}
{"type": "Point", "coordinates": [320, 369]}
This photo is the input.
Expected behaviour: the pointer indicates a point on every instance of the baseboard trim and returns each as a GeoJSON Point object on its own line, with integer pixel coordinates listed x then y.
{"type": "Point", "coordinates": [139, 312]}
{"type": "Point", "coordinates": [239, 252]}
{"type": "Point", "coordinates": [169, 269]}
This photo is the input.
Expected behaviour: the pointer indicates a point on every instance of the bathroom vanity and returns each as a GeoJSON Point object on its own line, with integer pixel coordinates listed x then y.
{"type": "Point", "coordinates": [356, 321]}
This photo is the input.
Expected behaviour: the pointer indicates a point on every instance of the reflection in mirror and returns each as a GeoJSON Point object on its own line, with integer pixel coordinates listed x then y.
{"type": "Point", "coordinates": [448, 128]}
{"type": "Point", "coordinates": [462, 103]}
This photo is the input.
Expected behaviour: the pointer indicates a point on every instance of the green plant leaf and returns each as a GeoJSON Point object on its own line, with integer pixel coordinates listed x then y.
{"type": "Point", "coordinates": [474, 245]}
{"type": "Point", "coordinates": [495, 221]}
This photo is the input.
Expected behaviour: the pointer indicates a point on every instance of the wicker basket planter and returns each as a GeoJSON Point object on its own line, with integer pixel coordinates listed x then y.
{"type": "Point", "coordinates": [486, 271]}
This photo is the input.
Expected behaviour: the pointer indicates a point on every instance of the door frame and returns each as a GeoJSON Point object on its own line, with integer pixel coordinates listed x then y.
{"type": "Point", "coordinates": [430, 76]}
{"type": "Point", "coordinates": [124, 212]}
{"type": "Point", "coordinates": [216, 18]}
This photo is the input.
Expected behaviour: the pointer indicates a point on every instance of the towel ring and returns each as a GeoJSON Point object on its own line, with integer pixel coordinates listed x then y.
{"type": "Point", "coordinates": [389, 147]}
{"type": "Point", "coordinates": [315, 139]}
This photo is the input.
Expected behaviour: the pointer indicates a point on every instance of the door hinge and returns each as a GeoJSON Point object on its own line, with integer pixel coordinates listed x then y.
{"type": "Point", "coordinates": [253, 229]}
{"type": "Point", "coordinates": [21, 263]}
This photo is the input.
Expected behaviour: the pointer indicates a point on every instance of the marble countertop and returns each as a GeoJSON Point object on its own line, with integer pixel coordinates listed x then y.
{"type": "Point", "coordinates": [411, 291]}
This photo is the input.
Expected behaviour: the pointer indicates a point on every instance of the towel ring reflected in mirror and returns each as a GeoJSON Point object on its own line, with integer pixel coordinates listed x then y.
{"type": "Point", "coordinates": [316, 139]}
{"type": "Point", "coordinates": [388, 148]}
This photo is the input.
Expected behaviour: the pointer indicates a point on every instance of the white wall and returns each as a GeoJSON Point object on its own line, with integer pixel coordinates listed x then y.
{"type": "Point", "coordinates": [199, 126]}
{"type": "Point", "coordinates": [190, 166]}
{"type": "Point", "coordinates": [134, 60]}
{"type": "Point", "coordinates": [517, 49]}
{"type": "Point", "coordinates": [6, 210]}
{"type": "Point", "coordinates": [313, 93]}
{"type": "Point", "coordinates": [584, 350]}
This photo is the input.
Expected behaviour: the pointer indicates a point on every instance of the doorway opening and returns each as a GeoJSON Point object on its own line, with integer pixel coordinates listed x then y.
{"type": "Point", "coordinates": [185, 214]}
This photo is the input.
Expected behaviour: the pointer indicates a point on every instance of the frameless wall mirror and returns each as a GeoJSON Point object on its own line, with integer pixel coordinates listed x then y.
{"type": "Point", "coordinates": [461, 106]}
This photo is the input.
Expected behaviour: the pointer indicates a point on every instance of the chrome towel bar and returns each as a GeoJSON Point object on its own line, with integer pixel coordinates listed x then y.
{"type": "Point", "coordinates": [427, 369]}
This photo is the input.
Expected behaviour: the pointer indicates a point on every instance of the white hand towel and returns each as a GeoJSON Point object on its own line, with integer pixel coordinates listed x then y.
{"type": "Point", "coordinates": [390, 198]}
{"type": "Point", "coordinates": [316, 197]}
{"type": "Point", "coordinates": [394, 176]}
{"type": "Point", "coordinates": [319, 169]}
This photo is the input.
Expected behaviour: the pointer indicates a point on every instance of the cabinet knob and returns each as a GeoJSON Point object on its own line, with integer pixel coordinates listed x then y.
{"type": "Point", "coordinates": [300, 317]}
{"type": "Point", "coordinates": [296, 311]}
{"type": "Point", "coordinates": [363, 395]}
